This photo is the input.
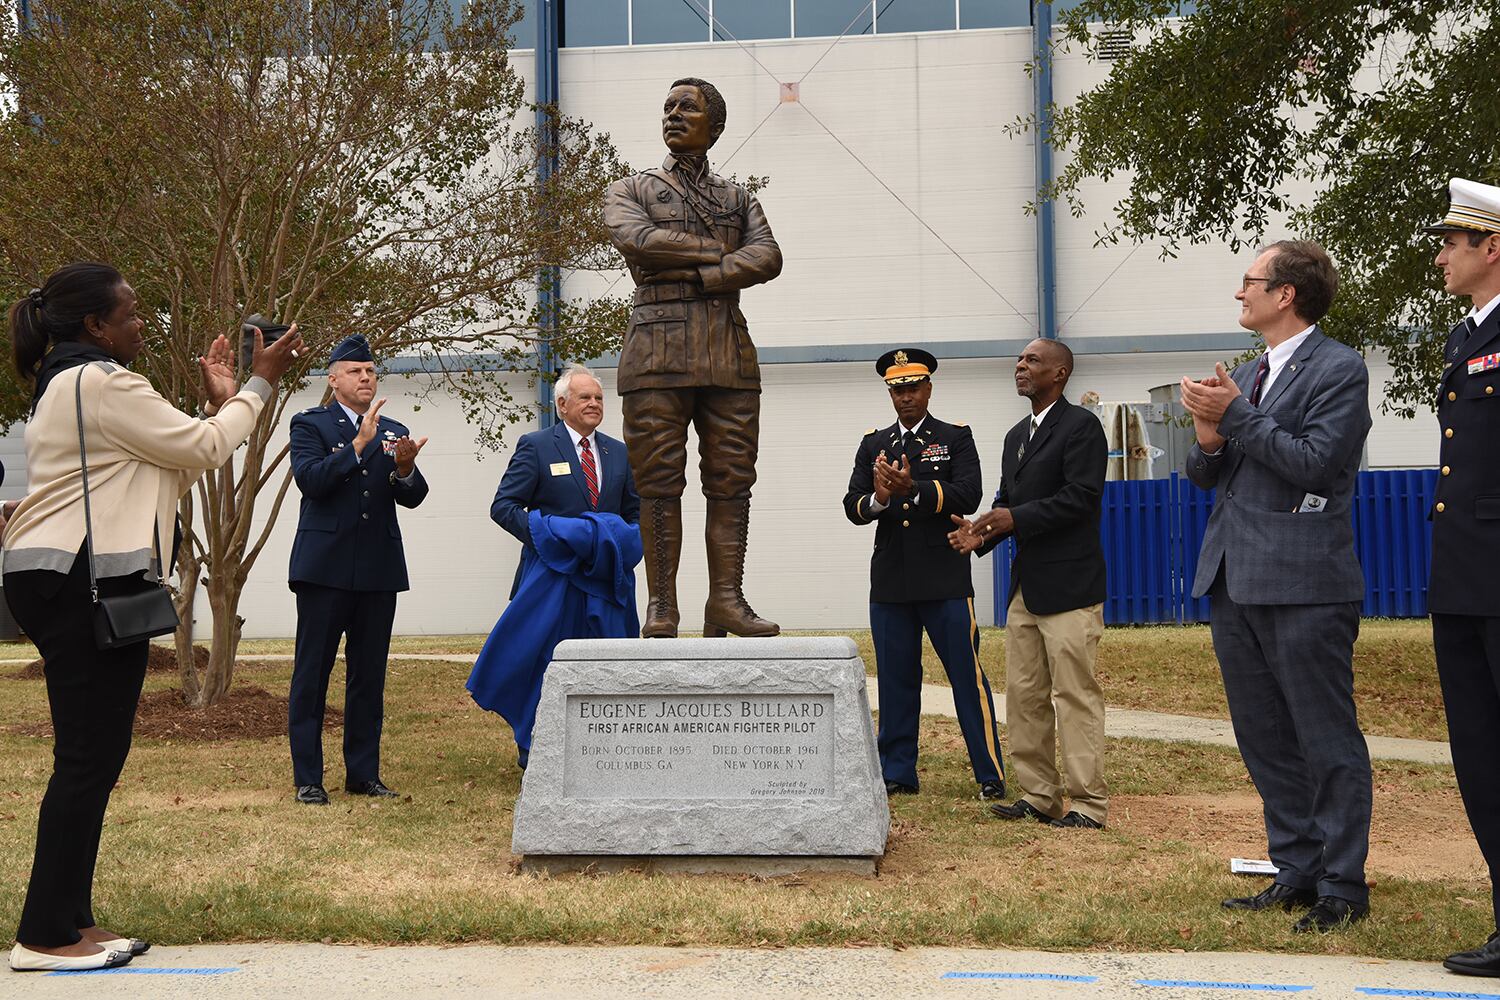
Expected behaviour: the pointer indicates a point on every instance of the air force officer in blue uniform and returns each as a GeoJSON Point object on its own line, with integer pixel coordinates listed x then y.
{"type": "Point", "coordinates": [353, 467]}
{"type": "Point", "coordinates": [909, 478]}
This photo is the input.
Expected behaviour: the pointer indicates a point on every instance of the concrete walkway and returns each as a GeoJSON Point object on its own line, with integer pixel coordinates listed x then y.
{"type": "Point", "coordinates": [1126, 723]}
{"type": "Point", "coordinates": [329, 972]}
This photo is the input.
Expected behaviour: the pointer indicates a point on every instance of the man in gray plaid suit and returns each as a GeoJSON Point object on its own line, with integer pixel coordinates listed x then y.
{"type": "Point", "coordinates": [1281, 439]}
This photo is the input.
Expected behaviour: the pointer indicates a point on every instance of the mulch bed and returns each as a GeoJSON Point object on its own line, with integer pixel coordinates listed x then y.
{"type": "Point", "coordinates": [248, 712]}
{"type": "Point", "coordinates": [160, 660]}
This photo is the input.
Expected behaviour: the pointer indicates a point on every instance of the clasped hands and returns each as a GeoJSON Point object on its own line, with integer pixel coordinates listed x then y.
{"type": "Point", "coordinates": [1206, 400]}
{"type": "Point", "coordinates": [891, 479]}
{"type": "Point", "coordinates": [971, 534]}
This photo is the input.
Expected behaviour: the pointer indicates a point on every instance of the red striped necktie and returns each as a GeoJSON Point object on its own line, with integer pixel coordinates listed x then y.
{"type": "Point", "coordinates": [590, 473]}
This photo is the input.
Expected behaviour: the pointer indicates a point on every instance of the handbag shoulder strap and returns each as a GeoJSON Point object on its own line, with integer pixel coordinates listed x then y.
{"type": "Point", "coordinates": [88, 515]}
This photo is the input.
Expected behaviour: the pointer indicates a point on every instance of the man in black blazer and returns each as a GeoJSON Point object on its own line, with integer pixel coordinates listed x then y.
{"type": "Point", "coordinates": [1051, 489]}
{"type": "Point", "coordinates": [1463, 597]}
{"type": "Point", "coordinates": [907, 479]}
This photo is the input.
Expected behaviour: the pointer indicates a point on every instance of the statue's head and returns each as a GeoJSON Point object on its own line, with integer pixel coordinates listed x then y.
{"type": "Point", "coordinates": [693, 117]}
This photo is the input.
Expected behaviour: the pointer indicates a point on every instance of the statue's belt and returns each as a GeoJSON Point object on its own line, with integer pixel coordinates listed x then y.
{"type": "Point", "coordinates": [678, 291]}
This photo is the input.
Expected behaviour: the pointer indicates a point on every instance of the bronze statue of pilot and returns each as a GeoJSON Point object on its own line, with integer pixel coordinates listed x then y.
{"type": "Point", "coordinates": [692, 240]}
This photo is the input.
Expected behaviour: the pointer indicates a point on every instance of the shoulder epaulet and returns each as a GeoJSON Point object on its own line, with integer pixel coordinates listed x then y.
{"type": "Point", "coordinates": [958, 424]}
{"type": "Point", "coordinates": [308, 410]}
{"type": "Point", "coordinates": [872, 430]}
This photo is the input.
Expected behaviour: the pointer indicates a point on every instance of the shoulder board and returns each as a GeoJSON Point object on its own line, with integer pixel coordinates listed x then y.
{"type": "Point", "coordinates": [957, 424]}
{"type": "Point", "coordinates": [872, 430]}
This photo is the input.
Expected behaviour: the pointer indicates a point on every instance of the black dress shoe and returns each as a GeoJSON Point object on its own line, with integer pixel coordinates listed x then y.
{"type": "Point", "coordinates": [1330, 913]}
{"type": "Point", "coordinates": [991, 790]}
{"type": "Point", "coordinates": [1275, 894]}
{"type": "Point", "coordinates": [1075, 820]}
{"type": "Point", "coordinates": [1482, 961]}
{"type": "Point", "coordinates": [1019, 809]}
{"type": "Point", "coordinates": [312, 795]}
{"type": "Point", "coordinates": [373, 787]}
{"type": "Point", "coordinates": [897, 788]}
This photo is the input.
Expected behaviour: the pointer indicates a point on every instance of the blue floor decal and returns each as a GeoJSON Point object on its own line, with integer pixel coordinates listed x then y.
{"type": "Point", "coordinates": [128, 971]}
{"type": "Point", "coordinates": [1198, 984]}
{"type": "Point", "coordinates": [1055, 977]}
{"type": "Point", "coordinates": [1380, 991]}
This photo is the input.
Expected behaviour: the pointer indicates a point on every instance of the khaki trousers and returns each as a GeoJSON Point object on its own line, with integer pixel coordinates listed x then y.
{"type": "Point", "coordinates": [1052, 698]}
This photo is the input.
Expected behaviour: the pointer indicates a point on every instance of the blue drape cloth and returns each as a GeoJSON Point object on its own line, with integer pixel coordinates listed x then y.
{"type": "Point", "coordinates": [581, 585]}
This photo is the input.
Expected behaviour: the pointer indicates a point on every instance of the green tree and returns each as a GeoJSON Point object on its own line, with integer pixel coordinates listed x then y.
{"type": "Point", "coordinates": [1215, 116]}
{"type": "Point", "coordinates": [350, 165]}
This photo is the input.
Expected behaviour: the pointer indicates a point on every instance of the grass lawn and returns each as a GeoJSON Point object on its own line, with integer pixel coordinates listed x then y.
{"type": "Point", "coordinates": [1167, 668]}
{"type": "Point", "coordinates": [203, 843]}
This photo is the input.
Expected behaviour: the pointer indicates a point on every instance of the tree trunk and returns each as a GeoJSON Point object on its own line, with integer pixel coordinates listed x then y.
{"type": "Point", "coordinates": [224, 599]}
{"type": "Point", "coordinates": [187, 664]}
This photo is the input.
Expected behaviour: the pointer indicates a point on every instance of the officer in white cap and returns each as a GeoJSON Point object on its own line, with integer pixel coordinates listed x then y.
{"type": "Point", "coordinates": [1463, 600]}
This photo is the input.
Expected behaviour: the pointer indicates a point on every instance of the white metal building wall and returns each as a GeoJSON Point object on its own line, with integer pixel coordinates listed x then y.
{"type": "Point", "coordinates": [924, 112]}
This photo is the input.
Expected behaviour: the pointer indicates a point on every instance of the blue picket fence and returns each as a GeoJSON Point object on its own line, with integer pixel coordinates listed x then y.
{"type": "Point", "coordinates": [1152, 530]}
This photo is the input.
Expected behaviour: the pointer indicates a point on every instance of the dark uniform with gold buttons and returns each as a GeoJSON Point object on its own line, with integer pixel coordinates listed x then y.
{"type": "Point", "coordinates": [1463, 593]}
{"type": "Point", "coordinates": [918, 581]}
{"type": "Point", "coordinates": [347, 566]}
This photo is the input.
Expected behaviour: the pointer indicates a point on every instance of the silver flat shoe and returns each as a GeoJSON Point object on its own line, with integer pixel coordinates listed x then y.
{"type": "Point", "coordinates": [23, 959]}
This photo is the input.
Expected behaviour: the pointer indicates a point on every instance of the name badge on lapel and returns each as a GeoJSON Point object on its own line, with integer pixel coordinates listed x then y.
{"type": "Point", "coordinates": [561, 469]}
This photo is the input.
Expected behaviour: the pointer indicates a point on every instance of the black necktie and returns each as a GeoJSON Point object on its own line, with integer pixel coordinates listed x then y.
{"type": "Point", "coordinates": [1260, 379]}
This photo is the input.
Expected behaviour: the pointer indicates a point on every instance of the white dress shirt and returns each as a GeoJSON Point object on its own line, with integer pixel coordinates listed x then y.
{"type": "Point", "coordinates": [1278, 356]}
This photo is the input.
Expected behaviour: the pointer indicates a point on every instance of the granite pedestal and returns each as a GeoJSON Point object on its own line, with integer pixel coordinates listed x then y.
{"type": "Point", "coordinates": [703, 754]}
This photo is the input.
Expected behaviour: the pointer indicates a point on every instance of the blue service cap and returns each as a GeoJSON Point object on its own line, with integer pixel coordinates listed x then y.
{"type": "Point", "coordinates": [352, 348]}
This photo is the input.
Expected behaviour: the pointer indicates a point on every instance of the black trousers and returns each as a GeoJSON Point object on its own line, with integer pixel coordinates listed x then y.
{"type": "Point", "coordinates": [1468, 665]}
{"type": "Point", "coordinates": [93, 695]}
{"type": "Point", "coordinates": [324, 614]}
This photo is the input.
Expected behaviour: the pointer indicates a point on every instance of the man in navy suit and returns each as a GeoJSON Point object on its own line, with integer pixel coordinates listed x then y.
{"type": "Point", "coordinates": [353, 467]}
{"type": "Point", "coordinates": [549, 470]}
{"type": "Point", "coordinates": [1281, 439]}
{"type": "Point", "coordinates": [567, 470]}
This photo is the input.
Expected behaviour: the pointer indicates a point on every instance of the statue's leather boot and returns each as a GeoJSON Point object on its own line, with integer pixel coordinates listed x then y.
{"type": "Point", "coordinates": [727, 531]}
{"type": "Point", "coordinates": [661, 538]}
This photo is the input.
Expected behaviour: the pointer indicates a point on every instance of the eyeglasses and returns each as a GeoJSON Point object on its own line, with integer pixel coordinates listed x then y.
{"type": "Point", "coordinates": [1246, 281]}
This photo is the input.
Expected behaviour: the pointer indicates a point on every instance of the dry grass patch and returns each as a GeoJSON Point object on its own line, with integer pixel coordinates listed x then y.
{"type": "Point", "coordinates": [204, 843]}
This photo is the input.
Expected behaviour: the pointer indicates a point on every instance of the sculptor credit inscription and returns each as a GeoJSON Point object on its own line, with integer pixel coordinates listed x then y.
{"type": "Point", "coordinates": [694, 746]}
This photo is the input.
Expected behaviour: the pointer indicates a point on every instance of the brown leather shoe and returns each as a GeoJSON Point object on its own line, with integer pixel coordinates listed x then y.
{"type": "Point", "coordinates": [661, 538]}
{"type": "Point", "coordinates": [727, 533]}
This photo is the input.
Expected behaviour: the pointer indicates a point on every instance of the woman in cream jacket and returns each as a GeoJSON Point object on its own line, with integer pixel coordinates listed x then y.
{"type": "Point", "coordinates": [82, 327]}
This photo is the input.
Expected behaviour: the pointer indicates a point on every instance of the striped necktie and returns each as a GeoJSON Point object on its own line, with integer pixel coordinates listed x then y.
{"type": "Point", "coordinates": [590, 473]}
{"type": "Point", "coordinates": [1260, 379]}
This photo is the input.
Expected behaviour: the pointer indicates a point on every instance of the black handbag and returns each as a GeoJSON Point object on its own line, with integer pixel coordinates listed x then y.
{"type": "Point", "coordinates": [123, 619]}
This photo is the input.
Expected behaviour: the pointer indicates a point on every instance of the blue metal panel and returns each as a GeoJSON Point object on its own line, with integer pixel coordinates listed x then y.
{"type": "Point", "coordinates": [549, 279]}
{"type": "Point", "coordinates": [1152, 532]}
{"type": "Point", "coordinates": [1046, 241]}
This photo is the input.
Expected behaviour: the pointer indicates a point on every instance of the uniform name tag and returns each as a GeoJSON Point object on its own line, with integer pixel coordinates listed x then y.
{"type": "Point", "coordinates": [1312, 504]}
{"type": "Point", "coordinates": [561, 469]}
{"type": "Point", "coordinates": [1484, 363]}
